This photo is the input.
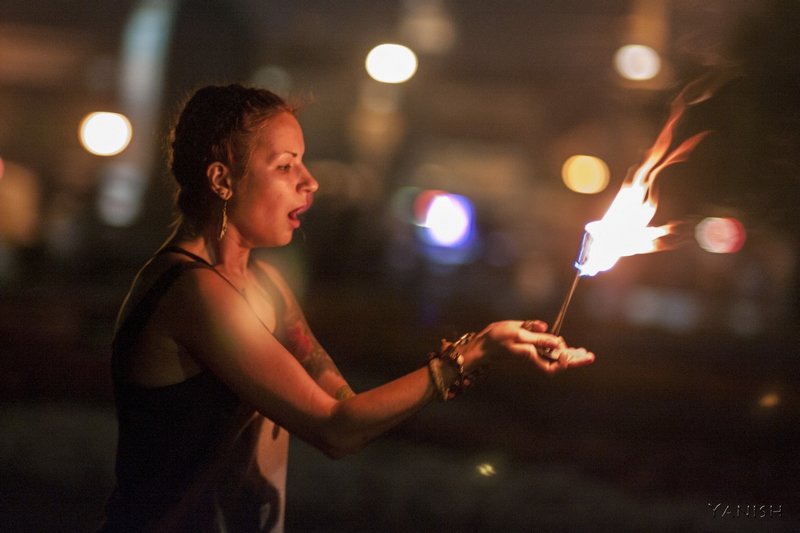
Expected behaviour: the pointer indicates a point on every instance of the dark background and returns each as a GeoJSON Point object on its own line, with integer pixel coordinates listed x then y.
{"type": "Point", "coordinates": [693, 400]}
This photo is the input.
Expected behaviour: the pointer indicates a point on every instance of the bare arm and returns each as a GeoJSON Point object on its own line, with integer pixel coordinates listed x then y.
{"type": "Point", "coordinates": [216, 325]}
{"type": "Point", "coordinates": [302, 343]}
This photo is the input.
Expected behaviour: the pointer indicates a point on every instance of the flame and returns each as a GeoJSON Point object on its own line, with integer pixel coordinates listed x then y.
{"type": "Point", "coordinates": [624, 230]}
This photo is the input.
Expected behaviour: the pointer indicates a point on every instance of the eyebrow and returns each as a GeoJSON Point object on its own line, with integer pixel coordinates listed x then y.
{"type": "Point", "coordinates": [278, 154]}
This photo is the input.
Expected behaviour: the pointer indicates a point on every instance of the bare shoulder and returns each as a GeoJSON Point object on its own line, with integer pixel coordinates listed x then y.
{"type": "Point", "coordinates": [202, 291]}
{"type": "Point", "coordinates": [160, 355]}
{"type": "Point", "coordinates": [277, 278]}
{"type": "Point", "coordinates": [196, 295]}
{"type": "Point", "coordinates": [271, 271]}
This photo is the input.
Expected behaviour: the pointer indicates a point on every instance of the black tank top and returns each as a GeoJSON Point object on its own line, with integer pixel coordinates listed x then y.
{"type": "Point", "coordinates": [186, 452]}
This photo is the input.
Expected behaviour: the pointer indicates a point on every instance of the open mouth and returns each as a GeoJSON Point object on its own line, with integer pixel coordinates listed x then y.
{"type": "Point", "coordinates": [295, 214]}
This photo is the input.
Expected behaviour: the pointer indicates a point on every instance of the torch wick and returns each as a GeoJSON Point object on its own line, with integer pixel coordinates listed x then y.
{"type": "Point", "coordinates": [563, 311]}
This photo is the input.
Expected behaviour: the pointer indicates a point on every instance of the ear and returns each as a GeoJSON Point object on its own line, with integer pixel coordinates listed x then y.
{"type": "Point", "coordinates": [219, 179]}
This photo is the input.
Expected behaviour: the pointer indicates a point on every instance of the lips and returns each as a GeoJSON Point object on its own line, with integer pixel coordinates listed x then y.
{"type": "Point", "coordinates": [294, 215]}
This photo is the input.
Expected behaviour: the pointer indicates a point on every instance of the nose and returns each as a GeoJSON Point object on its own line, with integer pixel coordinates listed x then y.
{"type": "Point", "coordinates": [308, 183]}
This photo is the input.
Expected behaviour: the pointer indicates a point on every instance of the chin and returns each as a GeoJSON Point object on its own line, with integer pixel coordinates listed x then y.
{"type": "Point", "coordinates": [281, 241]}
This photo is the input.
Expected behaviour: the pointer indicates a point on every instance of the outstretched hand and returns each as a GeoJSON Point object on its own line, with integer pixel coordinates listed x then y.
{"type": "Point", "coordinates": [528, 340]}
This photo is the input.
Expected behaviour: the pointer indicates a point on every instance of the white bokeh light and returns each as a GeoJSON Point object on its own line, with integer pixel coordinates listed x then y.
{"type": "Point", "coordinates": [104, 133]}
{"type": "Point", "coordinates": [391, 63]}
{"type": "Point", "coordinates": [637, 62]}
{"type": "Point", "coordinates": [448, 220]}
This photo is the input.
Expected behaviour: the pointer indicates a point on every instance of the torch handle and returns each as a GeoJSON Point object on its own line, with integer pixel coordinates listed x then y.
{"type": "Point", "coordinates": [559, 320]}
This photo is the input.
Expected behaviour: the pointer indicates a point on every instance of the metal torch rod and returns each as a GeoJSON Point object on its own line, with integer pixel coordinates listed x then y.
{"type": "Point", "coordinates": [556, 328]}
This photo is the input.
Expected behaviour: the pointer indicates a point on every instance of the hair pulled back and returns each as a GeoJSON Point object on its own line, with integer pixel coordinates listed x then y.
{"type": "Point", "coordinates": [215, 125]}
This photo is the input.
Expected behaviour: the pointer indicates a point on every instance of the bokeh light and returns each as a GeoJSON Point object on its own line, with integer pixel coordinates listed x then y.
{"type": "Point", "coordinates": [104, 133]}
{"type": "Point", "coordinates": [273, 77]}
{"type": "Point", "coordinates": [769, 400]}
{"type": "Point", "coordinates": [720, 235]}
{"type": "Point", "coordinates": [428, 27]}
{"type": "Point", "coordinates": [446, 218]}
{"type": "Point", "coordinates": [119, 201]}
{"type": "Point", "coordinates": [486, 469]}
{"type": "Point", "coordinates": [20, 207]}
{"type": "Point", "coordinates": [391, 63]}
{"type": "Point", "coordinates": [670, 309]}
{"type": "Point", "coordinates": [637, 62]}
{"type": "Point", "coordinates": [585, 174]}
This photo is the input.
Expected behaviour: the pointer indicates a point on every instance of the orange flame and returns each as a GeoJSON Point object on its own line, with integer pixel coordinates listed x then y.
{"type": "Point", "coordinates": [624, 230]}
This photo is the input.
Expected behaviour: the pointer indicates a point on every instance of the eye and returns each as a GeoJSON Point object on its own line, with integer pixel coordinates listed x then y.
{"type": "Point", "coordinates": [284, 168]}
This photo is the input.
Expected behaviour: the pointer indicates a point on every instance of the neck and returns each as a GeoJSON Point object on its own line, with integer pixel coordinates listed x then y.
{"type": "Point", "coordinates": [228, 254]}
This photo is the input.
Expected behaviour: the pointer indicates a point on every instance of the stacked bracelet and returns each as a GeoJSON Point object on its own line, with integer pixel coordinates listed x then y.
{"type": "Point", "coordinates": [451, 354]}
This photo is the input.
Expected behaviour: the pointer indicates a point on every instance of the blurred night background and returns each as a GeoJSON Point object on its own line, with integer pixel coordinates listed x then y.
{"type": "Point", "coordinates": [692, 405]}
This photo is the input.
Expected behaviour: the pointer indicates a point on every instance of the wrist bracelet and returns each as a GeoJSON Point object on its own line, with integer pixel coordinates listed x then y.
{"type": "Point", "coordinates": [435, 369]}
{"type": "Point", "coordinates": [451, 354]}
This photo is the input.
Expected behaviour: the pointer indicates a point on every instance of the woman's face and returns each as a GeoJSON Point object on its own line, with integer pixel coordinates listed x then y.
{"type": "Point", "coordinates": [275, 189]}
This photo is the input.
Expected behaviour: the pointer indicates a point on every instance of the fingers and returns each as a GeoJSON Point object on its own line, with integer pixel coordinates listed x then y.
{"type": "Point", "coordinates": [578, 357]}
{"type": "Point", "coordinates": [529, 340]}
{"type": "Point", "coordinates": [546, 364]}
{"type": "Point", "coordinates": [559, 358]}
{"type": "Point", "coordinates": [541, 339]}
{"type": "Point", "coordinates": [574, 357]}
{"type": "Point", "coordinates": [534, 352]}
{"type": "Point", "coordinates": [534, 325]}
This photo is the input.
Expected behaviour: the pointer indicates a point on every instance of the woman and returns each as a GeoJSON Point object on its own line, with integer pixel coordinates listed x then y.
{"type": "Point", "coordinates": [213, 361]}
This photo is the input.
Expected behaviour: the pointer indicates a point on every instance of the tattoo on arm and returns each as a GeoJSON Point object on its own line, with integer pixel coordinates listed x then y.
{"type": "Point", "coordinates": [317, 362]}
{"type": "Point", "coordinates": [314, 359]}
{"type": "Point", "coordinates": [302, 344]}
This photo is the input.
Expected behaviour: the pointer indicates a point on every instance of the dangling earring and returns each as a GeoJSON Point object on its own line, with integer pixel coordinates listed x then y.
{"type": "Point", "coordinates": [224, 226]}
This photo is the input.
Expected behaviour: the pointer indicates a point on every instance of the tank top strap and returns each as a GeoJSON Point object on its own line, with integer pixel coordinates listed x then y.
{"type": "Point", "coordinates": [178, 250]}
{"type": "Point", "coordinates": [263, 279]}
{"type": "Point", "coordinates": [197, 259]}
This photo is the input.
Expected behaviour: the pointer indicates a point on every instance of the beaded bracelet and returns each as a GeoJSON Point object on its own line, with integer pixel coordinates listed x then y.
{"type": "Point", "coordinates": [451, 354]}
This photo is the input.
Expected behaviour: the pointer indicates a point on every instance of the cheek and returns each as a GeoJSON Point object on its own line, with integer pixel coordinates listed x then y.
{"type": "Point", "coordinates": [261, 205]}
{"type": "Point", "coordinates": [269, 199]}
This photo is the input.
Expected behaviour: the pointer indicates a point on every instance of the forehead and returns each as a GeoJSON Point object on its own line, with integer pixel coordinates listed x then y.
{"type": "Point", "coordinates": [280, 133]}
